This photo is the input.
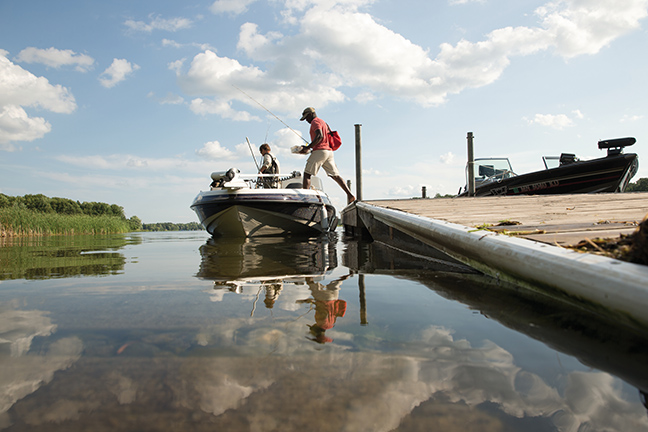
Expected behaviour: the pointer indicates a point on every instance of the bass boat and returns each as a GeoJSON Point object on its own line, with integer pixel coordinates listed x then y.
{"type": "Point", "coordinates": [562, 175]}
{"type": "Point", "coordinates": [241, 205]}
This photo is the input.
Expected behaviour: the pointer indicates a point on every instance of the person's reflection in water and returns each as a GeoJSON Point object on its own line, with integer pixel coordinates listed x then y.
{"type": "Point", "coordinates": [272, 292]}
{"type": "Point", "coordinates": [328, 307]}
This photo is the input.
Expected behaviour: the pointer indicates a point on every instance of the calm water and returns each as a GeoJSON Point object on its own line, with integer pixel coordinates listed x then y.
{"type": "Point", "coordinates": [178, 332]}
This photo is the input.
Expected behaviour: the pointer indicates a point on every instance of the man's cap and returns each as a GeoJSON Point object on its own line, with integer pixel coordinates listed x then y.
{"type": "Point", "coordinates": [307, 111]}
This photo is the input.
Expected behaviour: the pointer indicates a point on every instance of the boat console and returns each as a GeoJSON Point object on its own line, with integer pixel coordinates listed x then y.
{"type": "Point", "coordinates": [615, 146]}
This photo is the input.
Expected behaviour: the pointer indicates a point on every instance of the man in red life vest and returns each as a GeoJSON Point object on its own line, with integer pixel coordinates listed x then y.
{"type": "Point", "coordinates": [321, 155]}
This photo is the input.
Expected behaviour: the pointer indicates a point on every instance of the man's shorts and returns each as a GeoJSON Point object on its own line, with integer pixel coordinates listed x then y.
{"type": "Point", "coordinates": [321, 159]}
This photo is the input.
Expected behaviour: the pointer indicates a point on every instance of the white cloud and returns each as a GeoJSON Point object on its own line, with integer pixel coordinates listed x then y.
{"type": "Point", "coordinates": [213, 150]}
{"type": "Point", "coordinates": [56, 58]}
{"type": "Point", "coordinates": [631, 118]}
{"type": "Point", "coordinates": [173, 44]}
{"type": "Point", "coordinates": [234, 7]}
{"type": "Point", "coordinates": [157, 23]}
{"type": "Point", "coordinates": [117, 162]}
{"type": "Point", "coordinates": [172, 99]}
{"type": "Point", "coordinates": [404, 191]}
{"type": "Point", "coordinates": [210, 74]}
{"type": "Point", "coordinates": [117, 72]}
{"type": "Point", "coordinates": [554, 121]}
{"type": "Point", "coordinates": [16, 125]}
{"type": "Point", "coordinates": [459, 2]}
{"type": "Point", "coordinates": [220, 107]}
{"type": "Point", "coordinates": [19, 89]}
{"type": "Point", "coordinates": [338, 46]}
{"type": "Point", "coordinates": [581, 27]}
{"type": "Point", "coordinates": [447, 158]}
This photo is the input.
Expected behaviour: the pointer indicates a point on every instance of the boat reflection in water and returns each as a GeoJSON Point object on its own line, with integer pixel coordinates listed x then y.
{"type": "Point", "coordinates": [268, 264]}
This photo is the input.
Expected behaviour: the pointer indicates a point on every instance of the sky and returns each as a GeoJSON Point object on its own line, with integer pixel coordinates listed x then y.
{"type": "Point", "coordinates": [136, 103]}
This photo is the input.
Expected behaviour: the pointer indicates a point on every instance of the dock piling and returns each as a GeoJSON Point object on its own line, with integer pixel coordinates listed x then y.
{"type": "Point", "coordinates": [471, 165]}
{"type": "Point", "coordinates": [358, 160]}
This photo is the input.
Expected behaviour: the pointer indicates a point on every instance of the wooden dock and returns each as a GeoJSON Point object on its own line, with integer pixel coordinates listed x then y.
{"type": "Point", "coordinates": [532, 258]}
{"type": "Point", "coordinates": [553, 219]}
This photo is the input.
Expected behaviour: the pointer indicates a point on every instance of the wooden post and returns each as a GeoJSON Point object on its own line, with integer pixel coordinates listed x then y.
{"type": "Point", "coordinates": [358, 156]}
{"type": "Point", "coordinates": [471, 166]}
{"type": "Point", "coordinates": [363, 301]}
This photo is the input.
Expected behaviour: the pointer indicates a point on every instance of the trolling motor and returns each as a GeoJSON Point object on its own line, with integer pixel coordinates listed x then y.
{"type": "Point", "coordinates": [615, 146]}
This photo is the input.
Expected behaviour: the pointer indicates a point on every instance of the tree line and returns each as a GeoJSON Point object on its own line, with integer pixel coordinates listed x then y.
{"type": "Point", "coordinates": [170, 226]}
{"type": "Point", "coordinates": [640, 185]}
{"type": "Point", "coordinates": [65, 206]}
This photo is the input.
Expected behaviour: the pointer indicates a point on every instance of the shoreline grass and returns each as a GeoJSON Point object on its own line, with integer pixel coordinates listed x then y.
{"type": "Point", "coordinates": [22, 222]}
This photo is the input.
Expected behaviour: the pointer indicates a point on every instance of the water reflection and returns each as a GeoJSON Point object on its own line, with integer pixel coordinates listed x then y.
{"type": "Point", "coordinates": [269, 335]}
{"type": "Point", "coordinates": [239, 260]}
{"type": "Point", "coordinates": [62, 256]}
{"type": "Point", "coordinates": [328, 306]}
{"type": "Point", "coordinates": [595, 340]}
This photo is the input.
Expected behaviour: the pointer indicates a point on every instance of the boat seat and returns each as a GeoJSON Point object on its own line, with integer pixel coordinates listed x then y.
{"type": "Point", "coordinates": [294, 186]}
{"type": "Point", "coordinates": [567, 158]}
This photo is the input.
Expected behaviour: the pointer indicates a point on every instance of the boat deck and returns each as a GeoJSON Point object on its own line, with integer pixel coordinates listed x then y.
{"type": "Point", "coordinates": [554, 219]}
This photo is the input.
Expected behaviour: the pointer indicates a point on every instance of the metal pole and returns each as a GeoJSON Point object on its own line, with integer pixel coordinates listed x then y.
{"type": "Point", "coordinates": [358, 156]}
{"type": "Point", "coordinates": [471, 166]}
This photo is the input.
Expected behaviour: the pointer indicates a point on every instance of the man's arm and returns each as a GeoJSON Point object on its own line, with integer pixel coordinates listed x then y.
{"type": "Point", "coordinates": [317, 140]}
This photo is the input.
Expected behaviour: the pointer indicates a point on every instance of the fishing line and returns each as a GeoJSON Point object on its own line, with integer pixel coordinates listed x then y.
{"type": "Point", "coordinates": [294, 131]}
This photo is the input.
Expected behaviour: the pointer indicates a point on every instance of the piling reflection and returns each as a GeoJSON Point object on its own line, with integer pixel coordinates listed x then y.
{"type": "Point", "coordinates": [596, 341]}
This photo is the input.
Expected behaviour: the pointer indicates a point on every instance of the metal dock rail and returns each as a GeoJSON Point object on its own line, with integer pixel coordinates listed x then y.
{"type": "Point", "coordinates": [533, 256]}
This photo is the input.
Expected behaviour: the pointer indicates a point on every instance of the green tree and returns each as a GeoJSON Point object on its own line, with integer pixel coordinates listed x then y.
{"type": "Point", "coordinates": [39, 203]}
{"type": "Point", "coordinates": [96, 208]}
{"type": "Point", "coordinates": [135, 223]}
{"type": "Point", "coordinates": [118, 211]}
{"type": "Point", "coordinates": [640, 185]}
{"type": "Point", "coordinates": [65, 206]}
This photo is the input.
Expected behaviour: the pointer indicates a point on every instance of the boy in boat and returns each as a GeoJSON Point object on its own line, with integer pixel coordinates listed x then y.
{"type": "Point", "coordinates": [321, 155]}
{"type": "Point", "coordinates": [270, 165]}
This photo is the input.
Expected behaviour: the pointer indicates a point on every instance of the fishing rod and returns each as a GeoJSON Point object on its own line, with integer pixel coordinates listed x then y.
{"type": "Point", "coordinates": [252, 151]}
{"type": "Point", "coordinates": [294, 131]}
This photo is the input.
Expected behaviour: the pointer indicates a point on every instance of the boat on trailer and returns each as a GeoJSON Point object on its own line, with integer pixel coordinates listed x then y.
{"type": "Point", "coordinates": [252, 205]}
{"type": "Point", "coordinates": [565, 174]}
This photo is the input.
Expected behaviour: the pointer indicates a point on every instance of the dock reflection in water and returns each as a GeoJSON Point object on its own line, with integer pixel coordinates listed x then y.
{"type": "Point", "coordinates": [271, 334]}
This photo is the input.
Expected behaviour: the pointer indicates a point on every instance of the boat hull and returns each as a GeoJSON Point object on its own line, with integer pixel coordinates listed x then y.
{"type": "Point", "coordinates": [609, 174]}
{"type": "Point", "coordinates": [265, 212]}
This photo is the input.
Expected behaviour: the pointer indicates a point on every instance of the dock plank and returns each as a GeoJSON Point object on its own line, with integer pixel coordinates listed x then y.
{"type": "Point", "coordinates": [566, 219]}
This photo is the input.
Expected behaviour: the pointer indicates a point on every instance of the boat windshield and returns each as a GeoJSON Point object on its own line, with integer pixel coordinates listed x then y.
{"type": "Point", "coordinates": [492, 169]}
{"type": "Point", "coordinates": [551, 161]}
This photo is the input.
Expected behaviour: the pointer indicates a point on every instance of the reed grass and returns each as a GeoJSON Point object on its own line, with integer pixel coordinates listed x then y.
{"type": "Point", "coordinates": [17, 221]}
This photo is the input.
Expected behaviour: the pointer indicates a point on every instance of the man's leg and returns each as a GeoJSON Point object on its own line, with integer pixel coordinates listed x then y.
{"type": "Point", "coordinates": [306, 184]}
{"type": "Point", "coordinates": [339, 180]}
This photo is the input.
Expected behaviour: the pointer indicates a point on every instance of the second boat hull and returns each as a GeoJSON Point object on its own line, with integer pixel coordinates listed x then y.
{"type": "Point", "coordinates": [610, 174]}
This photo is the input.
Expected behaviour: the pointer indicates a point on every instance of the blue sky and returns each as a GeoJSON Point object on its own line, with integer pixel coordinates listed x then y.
{"type": "Point", "coordinates": [135, 103]}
